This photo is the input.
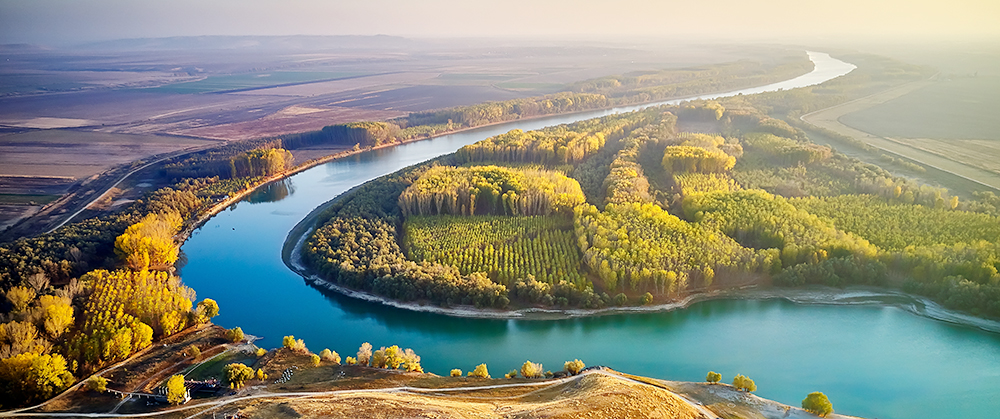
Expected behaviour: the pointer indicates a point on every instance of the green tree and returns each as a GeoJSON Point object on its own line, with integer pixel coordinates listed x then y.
{"type": "Point", "coordinates": [235, 334]}
{"type": "Point", "coordinates": [531, 370]}
{"type": "Point", "coordinates": [480, 371]}
{"type": "Point", "coordinates": [713, 377]}
{"type": "Point", "coordinates": [176, 393]}
{"type": "Point", "coordinates": [646, 299]}
{"type": "Point", "coordinates": [574, 367]}
{"type": "Point", "coordinates": [818, 404]}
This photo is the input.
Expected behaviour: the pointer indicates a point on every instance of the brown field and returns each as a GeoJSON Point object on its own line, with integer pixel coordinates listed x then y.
{"type": "Point", "coordinates": [80, 154]}
{"type": "Point", "coordinates": [289, 120]}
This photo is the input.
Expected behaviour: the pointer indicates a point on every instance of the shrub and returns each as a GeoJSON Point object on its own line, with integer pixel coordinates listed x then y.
{"type": "Point", "coordinates": [457, 372]}
{"type": "Point", "coordinates": [574, 367]}
{"type": "Point", "coordinates": [351, 360]}
{"type": "Point", "coordinates": [261, 352]}
{"type": "Point", "coordinates": [315, 359]}
{"type": "Point", "coordinates": [817, 403]}
{"type": "Point", "coordinates": [331, 356]}
{"type": "Point", "coordinates": [511, 374]}
{"type": "Point", "coordinates": [98, 383]}
{"type": "Point", "coordinates": [194, 351]}
{"type": "Point", "coordinates": [235, 334]}
{"type": "Point", "coordinates": [744, 383]}
{"type": "Point", "coordinates": [531, 370]}
{"type": "Point", "coordinates": [480, 371]}
{"type": "Point", "coordinates": [297, 346]}
{"type": "Point", "coordinates": [236, 374]}
{"type": "Point", "coordinates": [713, 377]}
{"type": "Point", "coordinates": [621, 299]}
{"type": "Point", "coordinates": [646, 299]}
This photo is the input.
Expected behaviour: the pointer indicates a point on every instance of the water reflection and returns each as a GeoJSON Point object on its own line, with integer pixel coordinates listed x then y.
{"type": "Point", "coordinates": [272, 192]}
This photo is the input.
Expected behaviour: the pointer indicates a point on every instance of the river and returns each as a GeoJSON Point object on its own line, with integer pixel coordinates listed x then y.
{"type": "Point", "coordinates": [872, 360]}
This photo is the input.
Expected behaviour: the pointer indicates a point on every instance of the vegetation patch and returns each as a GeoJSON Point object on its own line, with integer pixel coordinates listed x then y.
{"type": "Point", "coordinates": [505, 248]}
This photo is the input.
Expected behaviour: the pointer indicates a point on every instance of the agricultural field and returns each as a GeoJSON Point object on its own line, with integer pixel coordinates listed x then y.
{"type": "Point", "coordinates": [80, 154]}
{"type": "Point", "coordinates": [948, 109]}
{"type": "Point", "coordinates": [250, 81]}
{"type": "Point", "coordinates": [944, 155]}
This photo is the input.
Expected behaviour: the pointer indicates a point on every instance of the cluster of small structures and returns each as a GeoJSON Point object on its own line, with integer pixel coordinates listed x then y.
{"type": "Point", "coordinates": [286, 375]}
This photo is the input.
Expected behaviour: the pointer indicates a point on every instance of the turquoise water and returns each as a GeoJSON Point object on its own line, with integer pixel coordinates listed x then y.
{"type": "Point", "coordinates": [871, 361]}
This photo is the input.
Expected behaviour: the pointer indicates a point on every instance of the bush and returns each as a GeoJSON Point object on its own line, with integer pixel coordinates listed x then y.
{"type": "Point", "coordinates": [480, 371]}
{"type": "Point", "coordinates": [457, 372]}
{"type": "Point", "coordinates": [511, 374]}
{"type": "Point", "coordinates": [574, 367]}
{"type": "Point", "coordinates": [315, 359]}
{"type": "Point", "coordinates": [621, 299]}
{"type": "Point", "coordinates": [531, 370]}
{"type": "Point", "coordinates": [713, 377]}
{"type": "Point", "coordinates": [331, 356]}
{"type": "Point", "coordinates": [194, 352]}
{"type": "Point", "coordinates": [236, 374]}
{"type": "Point", "coordinates": [744, 383]}
{"type": "Point", "coordinates": [817, 403]}
{"type": "Point", "coordinates": [646, 299]}
{"type": "Point", "coordinates": [351, 360]}
{"type": "Point", "coordinates": [235, 334]}
{"type": "Point", "coordinates": [97, 383]}
{"type": "Point", "coordinates": [261, 352]}
{"type": "Point", "coordinates": [298, 346]}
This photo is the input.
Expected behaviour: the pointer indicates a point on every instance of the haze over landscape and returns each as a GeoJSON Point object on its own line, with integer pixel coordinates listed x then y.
{"type": "Point", "coordinates": [62, 23]}
{"type": "Point", "coordinates": [526, 208]}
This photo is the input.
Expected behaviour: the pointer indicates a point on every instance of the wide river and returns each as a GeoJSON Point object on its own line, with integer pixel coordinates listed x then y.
{"type": "Point", "coordinates": [872, 360]}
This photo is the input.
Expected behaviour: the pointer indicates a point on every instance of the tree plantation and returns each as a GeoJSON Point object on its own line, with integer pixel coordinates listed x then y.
{"type": "Point", "coordinates": [675, 214]}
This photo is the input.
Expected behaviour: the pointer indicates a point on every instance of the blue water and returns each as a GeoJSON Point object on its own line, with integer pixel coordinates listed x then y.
{"type": "Point", "coordinates": [871, 361]}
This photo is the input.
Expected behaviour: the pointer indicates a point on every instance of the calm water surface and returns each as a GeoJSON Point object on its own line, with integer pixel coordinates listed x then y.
{"type": "Point", "coordinates": [871, 361]}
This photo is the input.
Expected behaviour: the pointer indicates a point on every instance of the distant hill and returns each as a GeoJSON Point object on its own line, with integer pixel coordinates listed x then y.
{"type": "Point", "coordinates": [293, 42]}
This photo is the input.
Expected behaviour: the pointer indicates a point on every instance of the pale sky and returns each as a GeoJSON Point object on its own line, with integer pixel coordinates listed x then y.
{"type": "Point", "coordinates": [74, 21]}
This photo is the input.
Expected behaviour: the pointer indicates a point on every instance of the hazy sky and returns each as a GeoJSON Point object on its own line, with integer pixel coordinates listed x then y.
{"type": "Point", "coordinates": [71, 21]}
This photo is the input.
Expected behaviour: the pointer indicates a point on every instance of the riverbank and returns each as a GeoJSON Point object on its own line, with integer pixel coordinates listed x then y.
{"type": "Point", "coordinates": [215, 209]}
{"type": "Point", "coordinates": [814, 295]}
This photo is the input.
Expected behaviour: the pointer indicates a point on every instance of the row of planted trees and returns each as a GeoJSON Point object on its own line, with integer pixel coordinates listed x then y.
{"type": "Point", "coordinates": [102, 317]}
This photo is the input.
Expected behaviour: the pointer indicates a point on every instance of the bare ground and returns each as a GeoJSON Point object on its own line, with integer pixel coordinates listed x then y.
{"type": "Point", "coordinates": [830, 119]}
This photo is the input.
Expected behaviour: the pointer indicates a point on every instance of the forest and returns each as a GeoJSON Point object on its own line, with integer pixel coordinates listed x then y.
{"type": "Point", "coordinates": [663, 214]}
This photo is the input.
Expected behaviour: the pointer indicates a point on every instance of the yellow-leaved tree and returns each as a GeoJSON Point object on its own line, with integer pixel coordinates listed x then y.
{"type": "Point", "coordinates": [149, 244]}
